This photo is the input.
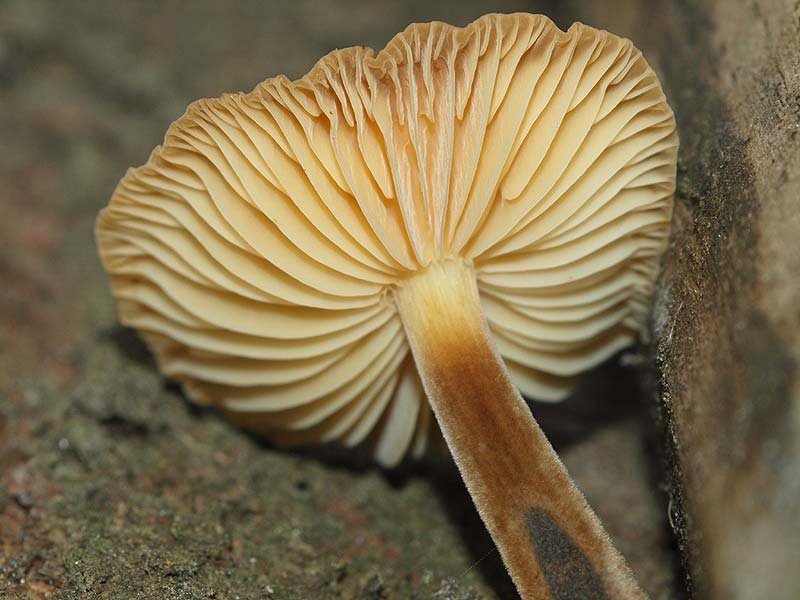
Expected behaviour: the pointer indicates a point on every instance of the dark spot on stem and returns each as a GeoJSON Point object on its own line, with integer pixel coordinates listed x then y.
{"type": "Point", "coordinates": [568, 572]}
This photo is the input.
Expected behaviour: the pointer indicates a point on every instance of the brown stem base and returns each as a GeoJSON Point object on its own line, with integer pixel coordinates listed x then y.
{"type": "Point", "coordinates": [551, 541]}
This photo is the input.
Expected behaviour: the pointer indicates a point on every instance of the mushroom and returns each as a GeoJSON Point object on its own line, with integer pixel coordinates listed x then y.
{"type": "Point", "coordinates": [468, 212]}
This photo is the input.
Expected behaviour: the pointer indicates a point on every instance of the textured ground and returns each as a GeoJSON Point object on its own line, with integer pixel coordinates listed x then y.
{"type": "Point", "coordinates": [112, 486]}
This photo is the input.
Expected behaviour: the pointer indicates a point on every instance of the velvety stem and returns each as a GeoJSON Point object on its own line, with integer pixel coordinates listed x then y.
{"type": "Point", "coordinates": [551, 541]}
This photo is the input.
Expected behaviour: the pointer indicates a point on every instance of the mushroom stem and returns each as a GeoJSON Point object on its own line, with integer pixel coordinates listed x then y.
{"type": "Point", "coordinates": [551, 541]}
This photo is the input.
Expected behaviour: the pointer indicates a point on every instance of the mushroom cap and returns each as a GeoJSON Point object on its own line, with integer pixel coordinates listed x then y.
{"type": "Point", "coordinates": [257, 249]}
